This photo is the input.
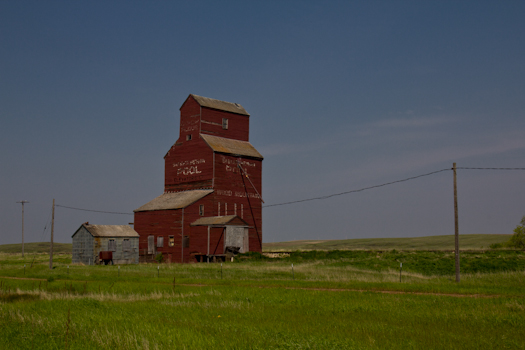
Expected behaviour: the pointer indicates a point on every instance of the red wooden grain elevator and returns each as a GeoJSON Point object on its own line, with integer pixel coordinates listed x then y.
{"type": "Point", "coordinates": [212, 187]}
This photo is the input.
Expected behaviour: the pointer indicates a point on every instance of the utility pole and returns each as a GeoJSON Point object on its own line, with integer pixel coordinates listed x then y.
{"type": "Point", "coordinates": [456, 224]}
{"type": "Point", "coordinates": [23, 202]}
{"type": "Point", "coordinates": [52, 230]}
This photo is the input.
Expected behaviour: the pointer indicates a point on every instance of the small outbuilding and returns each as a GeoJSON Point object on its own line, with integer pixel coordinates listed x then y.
{"type": "Point", "coordinates": [99, 244]}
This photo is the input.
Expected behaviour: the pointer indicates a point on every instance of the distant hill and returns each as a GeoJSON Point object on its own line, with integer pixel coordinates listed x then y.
{"type": "Point", "coordinates": [38, 247]}
{"type": "Point", "coordinates": [474, 241]}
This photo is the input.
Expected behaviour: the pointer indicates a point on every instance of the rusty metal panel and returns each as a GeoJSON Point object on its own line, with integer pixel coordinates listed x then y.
{"type": "Point", "coordinates": [176, 200]}
{"type": "Point", "coordinates": [229, 146]}
{"type": "Point", "coordinates": [220, 105]}
{"type": "Point", "coordinates": [230, 220]}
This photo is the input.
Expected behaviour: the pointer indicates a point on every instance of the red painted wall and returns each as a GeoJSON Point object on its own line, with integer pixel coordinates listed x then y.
{"type": "Point", "coordinates": [191, 164]}
{"type": "Point", "coordinates": [238, 125]}
{"type": "Point", "coordinates": [188, 166]}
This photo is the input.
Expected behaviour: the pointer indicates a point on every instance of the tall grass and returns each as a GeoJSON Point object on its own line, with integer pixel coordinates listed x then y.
{"type": "Point", "coordinates": [332, 303]}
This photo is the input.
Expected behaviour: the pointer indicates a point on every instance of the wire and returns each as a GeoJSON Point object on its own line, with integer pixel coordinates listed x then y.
{"type": "Point", "coordinates": [359, 190]}
{"type": "Point", "coordinates": [490, 168]}
{"type": "Point", "coordinates": [96, 211]}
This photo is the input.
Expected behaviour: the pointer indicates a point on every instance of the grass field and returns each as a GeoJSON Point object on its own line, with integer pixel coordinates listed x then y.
{"type": "Point", "coordinates": [36, 247]}
{"type": "Point", "coordinates": [480, 241]}
{"type": "Point", "coordinates": [473, 241]}
{"type": "Point", "coordinates": [329, 300]}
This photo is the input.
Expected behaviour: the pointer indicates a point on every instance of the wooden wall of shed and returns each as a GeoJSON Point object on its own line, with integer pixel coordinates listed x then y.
{"type": "Point", "coordinates": [83, 252]}
{"type": "Point", "coordinates": [119, 255]}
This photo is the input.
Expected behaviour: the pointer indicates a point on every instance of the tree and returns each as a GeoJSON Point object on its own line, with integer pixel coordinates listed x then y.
{"type": "Point", "coordinates": [518, 238]}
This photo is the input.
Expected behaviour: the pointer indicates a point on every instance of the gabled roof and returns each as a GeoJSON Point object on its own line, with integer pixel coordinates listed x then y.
{"type": "Point", "coordinates": [109, 230]}
{"type": "Point", "coordinates": [232, 220]}
{"type": "Point", "coordinates": [175, 200]}
{"type": "Point", "coordinates": [230, 146]}
{"type": "Point", "coordinates": [220, 105]}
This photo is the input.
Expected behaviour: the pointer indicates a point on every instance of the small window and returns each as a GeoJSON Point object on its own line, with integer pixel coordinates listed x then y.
{"type": "Point", "coordinates": [226, 209]}
{"type": "Point", "coordinates": [188, 137]}
{"type": "Point", "coordinates": [112, 245]}
{"type": "Point", "coordinates": [126, 245]}
{"type": "Point", "coordinates": [219, 209]}
{"type": "Point", "coordinates": [242, 211]}
{"type": "Point", "coordinates": [160, 242]}
{"type": "Point", "coordinates": [235, 209]}
{"type": "Point", "coordinates": [186, 242]}
{"type": "Point", "coordinates": [201, 210]}
{"type": "Point", "coordinates": [225, 123]}
{"type": "Point", "coordinates": [171, 241]}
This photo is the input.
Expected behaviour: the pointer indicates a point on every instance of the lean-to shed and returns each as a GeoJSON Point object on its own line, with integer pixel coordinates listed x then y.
{"type": "Point", "coordinates": [90, 240]}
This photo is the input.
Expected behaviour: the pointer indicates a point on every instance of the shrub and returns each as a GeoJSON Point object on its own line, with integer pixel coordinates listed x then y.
{"type": "Point", "coordinates": [159, 257]}
{"type": "Point", "coordinates": [518, 238]}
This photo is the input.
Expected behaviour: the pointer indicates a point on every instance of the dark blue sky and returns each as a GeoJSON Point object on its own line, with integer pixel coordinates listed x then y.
{"type": "Point", "coordinates": [342, 95]}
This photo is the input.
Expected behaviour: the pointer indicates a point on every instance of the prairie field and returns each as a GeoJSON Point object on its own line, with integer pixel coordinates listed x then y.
{"type": "Point", "coordinates": [326, 300]}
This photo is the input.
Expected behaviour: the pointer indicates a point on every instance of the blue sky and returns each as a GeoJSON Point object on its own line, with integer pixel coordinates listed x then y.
{"type": "Point", "coordinates": [342, 95]}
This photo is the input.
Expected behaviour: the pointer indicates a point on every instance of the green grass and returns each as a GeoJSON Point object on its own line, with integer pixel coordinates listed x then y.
{"type": "Point", "coordinates": [330, 300]}
{"type": "Point", "coordinates": [473, 241]}
{"type": "Point", "coordinates": [36, 247]}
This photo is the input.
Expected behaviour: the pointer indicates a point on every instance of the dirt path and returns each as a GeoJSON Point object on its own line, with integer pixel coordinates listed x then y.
{"type": "Point", "coordinates": [383, 291]}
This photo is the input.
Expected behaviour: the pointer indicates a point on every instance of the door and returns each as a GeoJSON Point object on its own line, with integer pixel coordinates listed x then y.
{"type": "Point", "coordinates": [151, 244]}
{"type": "Point", "coordinates": [236, 236]}
{"type": "Point", "coordinates": [246, 243]}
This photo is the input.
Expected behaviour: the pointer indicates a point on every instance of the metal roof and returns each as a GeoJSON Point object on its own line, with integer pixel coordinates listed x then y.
{"type": "Point", "coordinates": [230, 146]}
{"type": "Point", "coordinates": [111, 230]}
{"type": "Point", "coordinates": [175, 200]}
{"type": "Point", "coordinates": [220, 221]}
{"type": "Point", "coordinates": [220, 105]}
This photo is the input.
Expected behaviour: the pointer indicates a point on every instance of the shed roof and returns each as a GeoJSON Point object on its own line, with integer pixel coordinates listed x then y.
{"type": "Point", "coordinates": [220, 105]}
{"type": "Point", "coordinates": [233, 220]}
{"type": "Point", "coordinates": [110, 230]}
{"type": "Point", "coordinates": [175, 200]}
{"type": "Point", "coordinates": [230, 146]}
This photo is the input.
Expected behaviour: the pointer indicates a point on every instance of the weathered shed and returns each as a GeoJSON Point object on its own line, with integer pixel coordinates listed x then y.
{"type": "Point", "coordinates": [90, 240]}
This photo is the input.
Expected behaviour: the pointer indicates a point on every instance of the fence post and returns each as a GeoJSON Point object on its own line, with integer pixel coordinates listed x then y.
{"type": "Point", "coordinates": [293, 273]}
{"type": "Point", "coordinates": [400, 269]}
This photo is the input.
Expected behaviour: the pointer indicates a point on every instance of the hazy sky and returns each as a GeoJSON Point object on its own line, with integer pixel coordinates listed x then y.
{"type": "Point", "coordinates": [342, 95]}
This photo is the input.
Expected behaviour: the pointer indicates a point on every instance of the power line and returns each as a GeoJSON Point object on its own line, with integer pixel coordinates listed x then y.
{"type": "Point", "coordinates": [359, 190]}
{"type": "Point", "coordinates": [96, 211]}
{"type": "Point", "coordinates": [490, 168]}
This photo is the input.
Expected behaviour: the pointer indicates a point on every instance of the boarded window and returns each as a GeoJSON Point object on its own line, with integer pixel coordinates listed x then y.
{"type": "Point", "coordinates": [225, 208]}
{"type": "Point", "coordinates": [160, 242]}
{"type": "Point", "coordinates": [219, 209]}
{"type": "Point", "coordinates": [112, 245]}
{"type": "Point", "coordinates": [126, 245]}
{"type": "Point", "coordinates": [235, 209]}
{"type": "Point", "coordinates": [242, 211]}
{"type": "Point", "coordinates": [201, 210]}
{"type": "Point", "coordinates": [186, 242]}
{"type": "Point", "coordinates": [171, 241]}
{"type": "Point", "coordinates": [225, 123]}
